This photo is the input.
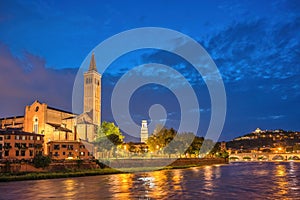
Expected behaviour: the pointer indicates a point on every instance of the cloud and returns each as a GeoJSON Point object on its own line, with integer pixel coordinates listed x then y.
{"type": "Point", "coordinates": [257, 49]}
{"type": "Point", "coordinates": [25, 79]}
{"type": "Point", "coordinates": [271, 117]}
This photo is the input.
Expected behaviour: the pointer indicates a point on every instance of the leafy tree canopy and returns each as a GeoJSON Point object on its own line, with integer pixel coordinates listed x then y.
{"type": "Point", "coordinates": [41, 161]}
{"type": "Point", "coordinates": [108, 136]}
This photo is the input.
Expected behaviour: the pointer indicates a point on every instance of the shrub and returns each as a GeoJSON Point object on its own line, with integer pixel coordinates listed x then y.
{"type": "Point", "coordinates": [40, 161]}
{"type": "Point", "coordinates": [246, 158]}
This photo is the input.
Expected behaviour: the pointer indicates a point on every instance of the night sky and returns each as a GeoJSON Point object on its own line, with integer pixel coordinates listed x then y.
{"type": "Point", "coordinates": [255, 45]}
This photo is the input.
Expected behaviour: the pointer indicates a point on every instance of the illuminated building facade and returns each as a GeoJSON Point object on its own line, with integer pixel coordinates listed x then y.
{"type": "Point", "coordinates": [58, 126]}
{"type": "Point", "coordinates": [16, 144]}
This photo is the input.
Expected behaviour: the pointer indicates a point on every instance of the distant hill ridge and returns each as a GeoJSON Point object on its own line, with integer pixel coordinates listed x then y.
{"type": "Point", "coordinates": [266, 139]}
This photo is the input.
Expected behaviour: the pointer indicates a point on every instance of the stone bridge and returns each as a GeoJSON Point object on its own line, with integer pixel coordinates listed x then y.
{"type": "Point", "coordinates": [264, 156]}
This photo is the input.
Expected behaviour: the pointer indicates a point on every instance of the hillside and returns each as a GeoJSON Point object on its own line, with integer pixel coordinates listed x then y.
{"type": "Point", "coordinates": [266, 139]}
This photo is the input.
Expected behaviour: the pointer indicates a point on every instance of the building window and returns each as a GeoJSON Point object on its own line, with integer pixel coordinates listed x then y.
{"type": "Point", "coordinates": [7, 137]}
{"type": "Point", "coordinates": [70, 147]}
{"type": "Point", "coordinates": [36, 125]}
{"type": "Point", "coordinates": [17, 145]}
{"type": "Point", "coordinates": [22, 153]}
{"type": "Point", "coordinates": [17, 153]}
{"type": "Point", "coordinates": [88, 80]}
{"type": "Point", "coordinates": [23, 137]}
{"type": "Point", "coordinates": [7, 145]}
{"type": "Point", "coordinates": [6, 153]}
{"type": "Point", "coordinates": [30, 152]}
{"type": "Point", "coordinates": [31, 137]}
{"type": "Point", "coordinates": [30, 145]}
{"type": "Point", "coordinates": [64, 153]}
{"type": "Point", "coordinates": [56, 147]}
{"type": "Point", "coordinates": [38, 138]}
{"type": "Point", "coordinates": [63, 146]}
{"type": "Point", "coordinates": [1, 138]}
{"type": "Point", "coordinates": [17, 137]}
{"type": "Point", "coordinates": [23, 145]}
{"type": "Point", "coordinates": [82, 153]}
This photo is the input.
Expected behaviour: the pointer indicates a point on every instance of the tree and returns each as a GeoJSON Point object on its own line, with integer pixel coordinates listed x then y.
{"type": "Point", "coordinates": [171, 148]}
{"type": "Point", "coordinates": [108, 136]}
{"type": "Point", "coordinates": [160, 138]}
{"type": "Point", "coordinates": [41, 161]}
{"type": "Point", "coordinates": [183, 143]}
{"type": "Point", "coordinates": [195, 146]}
{"type": "Point", "coordinates": [207, 146]}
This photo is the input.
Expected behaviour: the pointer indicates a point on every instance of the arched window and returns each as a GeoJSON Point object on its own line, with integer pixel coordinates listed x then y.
{"type": "Point", "coordinates": [36, 125]}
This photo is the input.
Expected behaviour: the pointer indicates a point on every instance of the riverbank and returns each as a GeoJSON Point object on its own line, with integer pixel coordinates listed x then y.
{"type": "Point", "coordinates": [259, 161]}
{"type": "Point", "coordinates": [178, 164]}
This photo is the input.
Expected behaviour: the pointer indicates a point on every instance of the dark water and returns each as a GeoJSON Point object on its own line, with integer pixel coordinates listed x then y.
{"type": "Point", "coordinates": [277, 180]}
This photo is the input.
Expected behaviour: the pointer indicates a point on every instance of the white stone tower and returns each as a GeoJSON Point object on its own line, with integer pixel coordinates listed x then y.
{"type": "Point", "coordinates": [92, 92]}
{"type": "Point", "coordinates": [144, 131]}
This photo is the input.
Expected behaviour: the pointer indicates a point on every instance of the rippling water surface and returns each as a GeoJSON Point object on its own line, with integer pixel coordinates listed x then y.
{"type": "Point", "coordinates": [272, 180]}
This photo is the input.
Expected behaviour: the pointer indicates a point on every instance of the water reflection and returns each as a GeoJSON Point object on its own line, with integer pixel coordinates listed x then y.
{"type": "Point", "coordinates": [234, 181]}
{"type": "Point", "coordinates": [208, 183]}
{"type": "Point", "coordinates": [281, 183]}
{"type": "Point", "coordinates": [293, 176]}
{"type": "Point", "coordinates": [121, 185]}
{"type": "Point", "coordinates": [176, 180]}
{"type": "Point", "coordinates": [69, 187]}
{"type": "Point", "coordinates": [160, 184]}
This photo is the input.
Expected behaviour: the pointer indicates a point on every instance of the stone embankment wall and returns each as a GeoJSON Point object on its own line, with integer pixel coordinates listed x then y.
{"type": "Point", "coordinates": [162, 162]}
{"type": "Point", "coordinates": [53, 167]}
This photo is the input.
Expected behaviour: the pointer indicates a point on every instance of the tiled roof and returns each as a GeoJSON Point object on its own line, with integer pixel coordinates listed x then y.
{"type": "Point", "coordinates": [11, 117]}
{"type": "Point", "coordinates": [52, 108]}
{"type": "Point", "coordinates": [59, 127]}
{"type": "Point", "coordinates": [15, 131]}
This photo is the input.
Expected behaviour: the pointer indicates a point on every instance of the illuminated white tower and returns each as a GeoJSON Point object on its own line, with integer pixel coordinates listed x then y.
{"type": "Point", "coordinates": [144, 131]}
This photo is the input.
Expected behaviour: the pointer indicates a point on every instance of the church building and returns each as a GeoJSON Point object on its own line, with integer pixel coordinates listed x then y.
{"type": "Point", "coordinates": [59, 126]}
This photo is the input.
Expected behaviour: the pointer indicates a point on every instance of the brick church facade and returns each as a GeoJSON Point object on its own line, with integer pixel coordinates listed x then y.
{"type": "Point", "coordinates": [60, 127]}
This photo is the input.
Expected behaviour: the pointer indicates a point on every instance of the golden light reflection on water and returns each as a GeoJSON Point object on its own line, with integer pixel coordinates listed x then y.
{"type": "Point", "coordinates": [122, 183]}
{"type": "Point", "coordinates": [211, 182]}
{"type": "Point", "coordinates": [176, 180]}
{"type": "Point", "coordinates": [69, 186]}
{"type": "Point", "coordinates": [280, 170]}
{"type": "Point", "coordinates": [160, 181]}
{"type": "Point", "coordinates": [208, 180]}
{"type": "Point", "coordinates": [281, 183]}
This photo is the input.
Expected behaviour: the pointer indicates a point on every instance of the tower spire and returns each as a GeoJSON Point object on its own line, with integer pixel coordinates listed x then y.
{"type": "Point", "coordinates": [93, 63]}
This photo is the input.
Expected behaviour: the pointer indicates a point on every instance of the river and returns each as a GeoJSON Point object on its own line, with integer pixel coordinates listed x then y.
{"type": "Point", "coordinates": [265, 180]}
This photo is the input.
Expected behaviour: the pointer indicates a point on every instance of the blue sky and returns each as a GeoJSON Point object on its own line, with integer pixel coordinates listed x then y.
{"type": "Point", "coordinates": [255, 45]}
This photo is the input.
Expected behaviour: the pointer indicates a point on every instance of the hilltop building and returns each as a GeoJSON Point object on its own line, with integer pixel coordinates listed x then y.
{"type": "Point", "coordinates": [59, 126]}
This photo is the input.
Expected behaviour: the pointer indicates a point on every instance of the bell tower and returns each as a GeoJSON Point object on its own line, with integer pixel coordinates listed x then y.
{"type": "Point", "coordinates": [144, 132]}
{"type": "Point", "coordinates": [92, 92]}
